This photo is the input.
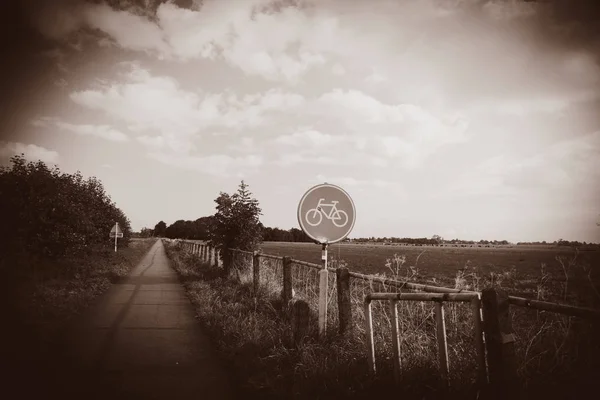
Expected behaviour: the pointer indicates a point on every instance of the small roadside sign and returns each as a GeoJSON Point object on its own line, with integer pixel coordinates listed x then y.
{"type": "Point", "coordinates": [326, 213]}
{"type": "Point", "coordinates": [115, 232]}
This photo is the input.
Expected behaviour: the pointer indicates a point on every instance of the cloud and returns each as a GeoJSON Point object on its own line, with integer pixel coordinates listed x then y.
{"type": "Point", "coordinates": [350, 181]}
{"type": "Point", "coordinates": [169, 142]}
{"type": "Point", "coordinates": [308, 138]}
{"type": "Point", "coordinates": [31, 152]}
{"type": "Point", "coordinates": [130, 31]}
{"type": "Point", "coordinates": [147, 102]}
{"type": "Point", "coordinates": [338, 69]}
{"type": "Point", "coordinates": [215, 164]}
{"type": "Point", "coordinates": [566, 168]}
{"type": "Point", "coordinates": [406, 132]}
{"type": "Point", "coordinates": [101, 131]}
{"type": "Point", "coordinates": [375, 78]}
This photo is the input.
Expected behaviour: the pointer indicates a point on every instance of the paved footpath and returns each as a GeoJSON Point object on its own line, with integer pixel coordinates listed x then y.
{"type": "Point", "coordinates": [142, 341]}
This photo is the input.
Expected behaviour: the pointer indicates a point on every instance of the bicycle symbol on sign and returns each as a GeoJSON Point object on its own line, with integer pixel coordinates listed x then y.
{"type": "Point", "coordinates": [314, 216]}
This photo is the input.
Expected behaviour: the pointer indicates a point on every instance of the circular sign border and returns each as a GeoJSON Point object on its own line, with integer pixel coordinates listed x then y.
{"type": "Point", "coordinates": [302, 201]}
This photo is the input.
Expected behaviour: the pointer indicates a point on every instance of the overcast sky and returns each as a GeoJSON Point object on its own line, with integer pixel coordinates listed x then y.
{"type": "Point", "coordinates": [465, 118]}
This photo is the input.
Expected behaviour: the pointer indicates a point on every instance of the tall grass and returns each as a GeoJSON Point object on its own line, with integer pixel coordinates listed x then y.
{"type": "Point", "coordinates": [553, 351]}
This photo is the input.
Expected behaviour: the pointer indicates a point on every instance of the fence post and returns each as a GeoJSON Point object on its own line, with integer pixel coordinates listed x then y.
{"type": "Point", "coordinates": [256, 271]}
{"type": "Point", "coordinates": [499, 343]}
{"type": "Point", "coordinates": [299, 312]}
{"type": "Point", "coordinates": [287, 280]}
{"type": "Point", "coordinates": [344, 302]}
{"type": "Point", "coordinates": [217, 254]}
{"type": "Point", "coordinates": [209, 257]}
{"type": "Point", "coordinates": [202, 250]}
{"type": "Point", "coordinates": [227, 254]}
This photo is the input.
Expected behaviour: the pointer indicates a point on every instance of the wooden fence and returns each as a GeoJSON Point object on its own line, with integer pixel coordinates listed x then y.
{"type": "Point", "coordinates": [292, 279]}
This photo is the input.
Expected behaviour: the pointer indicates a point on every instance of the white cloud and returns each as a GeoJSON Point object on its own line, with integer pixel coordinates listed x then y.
{"type": "Point", "coordinates": [375, 78]}
{"type": "Point", "coordinates": [149, 102]}
{"type": "Point", "coordinates": [527, 107]}
{"type": "Point", "coordinates": [350, 181]}
{"type": "Point", "coordinates": [569, 166]}
{"type": "Point", "coordinates": [308, 138]}
{"type": "Point", "coordinates": [31, 152]}
{"type": "Point", "coordinates": [101, 131]}
{"type": "Point", "coordinates": [169, 142]}
{"type": "Point", "coordinates": [128, 30]}
{"type": "Point", "coordinates": [403, 131]}
{"type": "Point", "coordinates": [214, 164]}
{"type": "Point", "coordinates": [338, 69]}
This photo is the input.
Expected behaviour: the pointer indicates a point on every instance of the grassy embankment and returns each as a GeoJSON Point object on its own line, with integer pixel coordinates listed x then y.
{"type": "Point", "coordinates": [253, 335]}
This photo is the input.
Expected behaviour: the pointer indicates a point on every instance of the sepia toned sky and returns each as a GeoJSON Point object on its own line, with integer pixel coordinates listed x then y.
{"type": "Point", "coordinates": [463, 118]}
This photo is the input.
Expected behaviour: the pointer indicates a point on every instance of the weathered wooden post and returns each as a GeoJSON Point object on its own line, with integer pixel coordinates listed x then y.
{"type": "Point", "coordinates": [217, 255]}
{"type": "Point", "coordinates": [226, 261]}
{"type": "Point", "coordinates": [343, 298]}
{"type": "Point", "coordinates": [499, 343]}
{"type": "Point", "coordinates": [202, 251]}
{"type": "Point", "coordinates": [256, 271]}
{"type": "Point", "coordinates": [287, 280]}
{"type": "Point", "coordinates": [299, 311]}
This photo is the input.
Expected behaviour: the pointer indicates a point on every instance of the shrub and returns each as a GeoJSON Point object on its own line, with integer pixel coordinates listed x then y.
{"type": "Point", "coordinates": [48, 213]}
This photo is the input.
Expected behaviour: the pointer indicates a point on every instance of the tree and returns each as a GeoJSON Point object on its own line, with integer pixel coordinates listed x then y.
{"type": "Point", "coordinates": [236, 223]}
{"type": "Point", "coordinates": [160, 229]}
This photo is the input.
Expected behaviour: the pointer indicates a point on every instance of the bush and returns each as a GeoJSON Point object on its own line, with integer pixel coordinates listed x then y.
{"type": "Point", "coordinates": [50, 214]}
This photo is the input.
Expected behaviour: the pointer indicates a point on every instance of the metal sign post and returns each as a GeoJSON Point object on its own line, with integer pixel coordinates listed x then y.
{"type": "Point", "coordinates": [323, 292]}
{"type": "Point", "coordinates": [326, 214]}
{"type": "Point", "coordinates": [116, 233]}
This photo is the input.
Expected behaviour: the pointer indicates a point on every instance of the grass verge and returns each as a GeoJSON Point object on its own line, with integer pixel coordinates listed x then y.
{"type": "Point", "coordinates": [253, 335]}
{"type": "Point", "coordinates": [39, 297]}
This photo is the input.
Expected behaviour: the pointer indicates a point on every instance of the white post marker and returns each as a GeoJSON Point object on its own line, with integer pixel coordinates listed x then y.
{"type": "Point", "coordinates": [326, 214]}
{"type": "Point", "coordinates": [116, 233]}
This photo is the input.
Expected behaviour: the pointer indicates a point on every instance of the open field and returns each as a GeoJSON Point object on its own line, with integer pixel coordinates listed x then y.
{"type": "Point", "coordinates": [440, 265]}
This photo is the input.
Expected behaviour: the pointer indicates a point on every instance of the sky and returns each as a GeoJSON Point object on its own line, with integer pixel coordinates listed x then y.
{"type": "Point", "coordinates": [471, 119]}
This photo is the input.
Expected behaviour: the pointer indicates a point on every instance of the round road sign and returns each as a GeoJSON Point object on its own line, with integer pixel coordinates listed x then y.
{"type": "Point", "coordinates": [326, 213]}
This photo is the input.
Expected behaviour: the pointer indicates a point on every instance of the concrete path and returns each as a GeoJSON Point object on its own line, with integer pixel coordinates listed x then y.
{"type": "Point", "coordinates": [142, 341]}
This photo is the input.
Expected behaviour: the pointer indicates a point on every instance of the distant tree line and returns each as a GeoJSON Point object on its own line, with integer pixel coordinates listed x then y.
{"type": "Point", "coordinates": [560, 242]}
{"type": "Point", "coordinates": [200, 230]}
{"type": "Point", "coordinates": [281, 235]}
{"type": "Point", "coordinates": [51, 214]}
{"type": "Point", "coordinates": [435, 240]}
